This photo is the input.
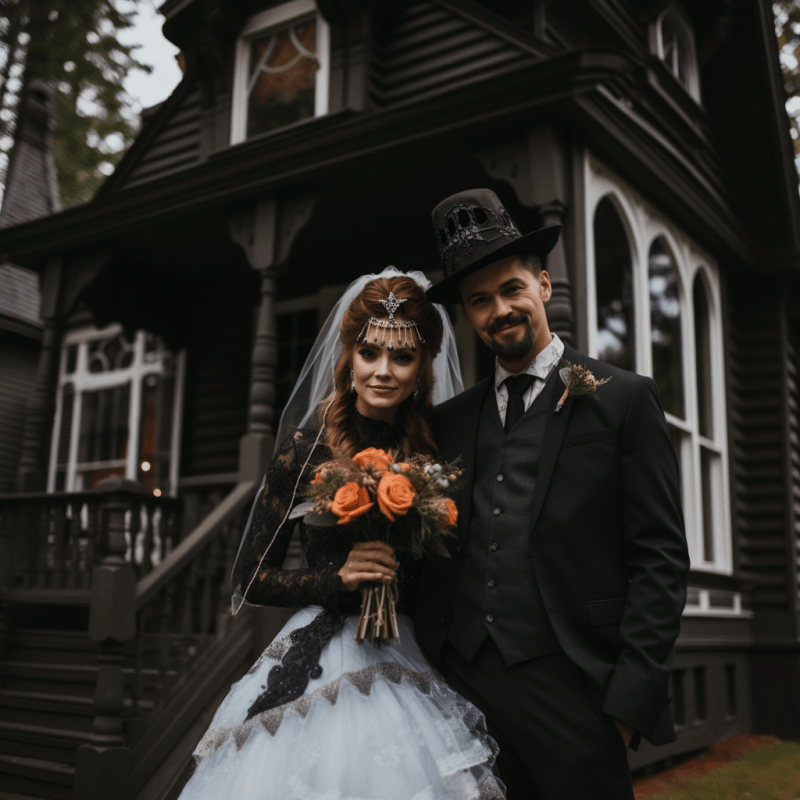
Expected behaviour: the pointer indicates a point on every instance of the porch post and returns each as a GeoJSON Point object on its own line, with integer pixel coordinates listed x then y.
{"type": "Point", "coordinates": [37, 433]}
{"type": "Point", "coordinates": [255, 231]}
{"type": "Point", "coordinates": [102, 766]}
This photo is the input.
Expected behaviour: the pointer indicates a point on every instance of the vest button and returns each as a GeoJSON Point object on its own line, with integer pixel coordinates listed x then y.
{"type": "Point", "coordinates": [443, 620]}
{"type": "Point", "coordinates": [489, 618]}
{"type": "Point", "coordinates": [493, 547]}
{"type": "Point", "coordinates": [500, 478]}
{"type": "Point", "coordinates": [459, 549]}
{"type": "Point", "coordinates": [497, 512]}
{"type": "Point", "coordinates": [490, 584]}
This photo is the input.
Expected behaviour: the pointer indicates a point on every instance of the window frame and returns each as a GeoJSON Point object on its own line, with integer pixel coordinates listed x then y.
{"type": "Point", "coordinates": [259, 24]}
{"type": "Point", "coordinates": [685, 34]}
{"type": "Point", "coordinates": [644, 225]}
{"type": "Point", "coordinates": [83, 381]}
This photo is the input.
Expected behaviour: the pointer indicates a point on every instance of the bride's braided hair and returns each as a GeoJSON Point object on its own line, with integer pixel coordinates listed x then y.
{"type": "Point", "coordinates": [413, 419]}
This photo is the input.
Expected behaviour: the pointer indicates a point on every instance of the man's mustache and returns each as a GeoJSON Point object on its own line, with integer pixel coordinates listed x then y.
{"type": "Point", "coordinates": [507, 322]}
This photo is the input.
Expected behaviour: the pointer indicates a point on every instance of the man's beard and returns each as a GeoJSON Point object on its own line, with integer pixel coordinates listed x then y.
{"type": "Point", "coordinates": [517, 349]}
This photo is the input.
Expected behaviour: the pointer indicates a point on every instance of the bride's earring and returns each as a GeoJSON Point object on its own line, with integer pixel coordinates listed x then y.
{"type": "Point", "coordinates": [415, 393]}
{"type": "Point", "coordinates": [352, 381]}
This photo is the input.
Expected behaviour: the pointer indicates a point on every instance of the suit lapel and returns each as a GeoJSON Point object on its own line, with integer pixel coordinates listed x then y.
{"type": "Point", "coordinates": [468, 435]}
{"type": "Point", "coordinates": [553, 436]}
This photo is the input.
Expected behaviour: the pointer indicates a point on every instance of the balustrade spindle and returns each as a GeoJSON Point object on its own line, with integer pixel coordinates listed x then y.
{"type": "Point", "coordinates": [56, 556]}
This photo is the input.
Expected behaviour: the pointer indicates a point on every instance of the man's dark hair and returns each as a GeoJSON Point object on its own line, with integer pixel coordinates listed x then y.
{"type": "Point", "coordinates": [531, 261]}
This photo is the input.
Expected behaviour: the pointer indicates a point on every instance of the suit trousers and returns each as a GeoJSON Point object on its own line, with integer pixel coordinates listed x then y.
{"type": "Point", "coordinates": [545, 714]}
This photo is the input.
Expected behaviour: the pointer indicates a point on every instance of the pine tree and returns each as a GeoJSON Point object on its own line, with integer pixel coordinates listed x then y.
{"type": "Point", "coordinates": [787, 29]}
{"type": "Point", "coordinates": [73, 45]}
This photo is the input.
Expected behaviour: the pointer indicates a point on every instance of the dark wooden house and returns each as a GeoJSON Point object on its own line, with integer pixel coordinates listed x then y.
{"type": "Point", "coordinates": [307, 143]}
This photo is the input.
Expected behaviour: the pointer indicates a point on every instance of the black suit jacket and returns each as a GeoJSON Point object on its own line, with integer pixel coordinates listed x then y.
{"type": "Point", "coordinates": [607, 539]}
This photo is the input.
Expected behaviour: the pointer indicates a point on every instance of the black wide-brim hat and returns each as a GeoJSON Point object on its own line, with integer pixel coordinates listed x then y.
{"type": "Point", "coordinates": [473, 230]}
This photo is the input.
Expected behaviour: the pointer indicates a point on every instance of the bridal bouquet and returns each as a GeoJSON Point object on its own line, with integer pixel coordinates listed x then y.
{"type": "Point", "coordinates": [404, 503]}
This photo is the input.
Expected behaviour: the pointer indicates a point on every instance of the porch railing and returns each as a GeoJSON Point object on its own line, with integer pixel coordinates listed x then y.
{"type": "Point", "coordinates": [159, 611]}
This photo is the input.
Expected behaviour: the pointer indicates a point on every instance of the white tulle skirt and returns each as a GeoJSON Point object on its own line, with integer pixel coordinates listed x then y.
{"type": "Point", "coordinates": [378, 724]}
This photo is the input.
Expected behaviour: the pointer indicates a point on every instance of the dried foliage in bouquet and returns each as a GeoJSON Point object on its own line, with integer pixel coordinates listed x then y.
{"type": "Point", "coordinates": [403, 503]}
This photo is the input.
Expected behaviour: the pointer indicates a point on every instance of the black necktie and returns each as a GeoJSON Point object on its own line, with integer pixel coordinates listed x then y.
{"type": "Point", "coordinates": [517, 385]}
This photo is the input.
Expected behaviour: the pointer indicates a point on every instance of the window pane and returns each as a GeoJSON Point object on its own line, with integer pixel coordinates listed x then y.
{"type": "Point", "coordinates": [282, 72]}
{"type": "Point", "coordinates": [104, 425]}
{"type": "Point", "coordinates": [702, 344]}
{"type": "Point", "coordinates": [665, 328]}
{"type": "Point", "coordinates": [105, 355]}
{"type": "Point", "coordinates": [614, 278]}
{"type": "Point", "coordinates": [298, 329]}
{"type": "Point", "coordinates": [710, 478]}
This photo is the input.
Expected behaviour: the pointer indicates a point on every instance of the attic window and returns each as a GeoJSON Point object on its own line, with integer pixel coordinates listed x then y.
{"type": "Point", "coordinates": [676, 48]}
{"type": "Point", "coordinates": [281, 73]}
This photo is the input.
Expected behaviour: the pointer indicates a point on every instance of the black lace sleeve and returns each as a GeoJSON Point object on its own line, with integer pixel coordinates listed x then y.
{"type": "Point", "coordinates": [319, 584]}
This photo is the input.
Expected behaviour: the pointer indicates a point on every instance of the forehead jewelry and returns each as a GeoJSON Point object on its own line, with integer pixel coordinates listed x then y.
{"type": "Point", "coordinates": [405, 330]}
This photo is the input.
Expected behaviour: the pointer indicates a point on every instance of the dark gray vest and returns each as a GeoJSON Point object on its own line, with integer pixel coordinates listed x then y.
{"type": "Point", "coordinates": [496, 594]}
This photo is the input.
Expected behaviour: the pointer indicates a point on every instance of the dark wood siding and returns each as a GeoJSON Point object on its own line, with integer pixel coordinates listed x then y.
{"type": "Point", "coordinates": [429, 49]}
{"type": "Point", "coordinates": [175, 147]}
{"type": "Point", "coordinates": [19, 357]}
{"type": "Point", "coordinates": [758, 427]}
{"type": "Point", "coordinates": [217, 380]}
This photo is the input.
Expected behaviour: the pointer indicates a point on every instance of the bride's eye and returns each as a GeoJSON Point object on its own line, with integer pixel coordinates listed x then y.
{"type": "Point", "coordinates": [404, 358]}
{"type": "Point", "coordinates": [367, 353]}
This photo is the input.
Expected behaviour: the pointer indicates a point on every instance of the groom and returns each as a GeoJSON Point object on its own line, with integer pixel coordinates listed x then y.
{"type": "Point", "coordinates": [557, 613]}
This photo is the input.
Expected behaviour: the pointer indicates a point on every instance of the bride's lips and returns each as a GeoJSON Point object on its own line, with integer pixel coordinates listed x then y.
{"type": "Point", "coordinates": [382, 389]}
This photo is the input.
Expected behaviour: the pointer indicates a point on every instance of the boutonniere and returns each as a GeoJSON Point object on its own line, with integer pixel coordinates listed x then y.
{"type": "Point", "coordinates": [579, 382]}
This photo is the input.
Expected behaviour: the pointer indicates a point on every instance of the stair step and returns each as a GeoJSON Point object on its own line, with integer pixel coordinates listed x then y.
{"type": "Point", "coordinates": [71, 673]}
{"type": "Point", "coordinates": [53, 702]}
{"type": "Point", "coordinates": [46, 742]}
{"type": "Point", "coordinates": [48, 779]}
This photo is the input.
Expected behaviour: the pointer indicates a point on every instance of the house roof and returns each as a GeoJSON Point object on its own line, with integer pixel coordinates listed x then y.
{"type": "Point", "coordinates": [31, 190]}
{"type": "Point", "coordinates": [19, 300]}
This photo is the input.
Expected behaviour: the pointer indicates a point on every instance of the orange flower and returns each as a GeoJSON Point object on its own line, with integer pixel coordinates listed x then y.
{"type": "Point", "coordinates": [318, 478]}
{"type": "Point", "coordinates": [451, 511]}
{"type": "Point", "coordinates": [351, 501]}
{"type": "Point", "coordinates": [372, 456]}
{"type": "Point", "coordinates": [395, 494]}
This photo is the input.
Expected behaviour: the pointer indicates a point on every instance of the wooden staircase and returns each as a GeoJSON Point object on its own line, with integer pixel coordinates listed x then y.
{"type": "Point", "coordinates": [113, 654]}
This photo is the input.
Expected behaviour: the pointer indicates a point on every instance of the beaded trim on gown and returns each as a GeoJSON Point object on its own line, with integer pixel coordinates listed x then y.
{"type": "Point", "coordinates": [319, 717]}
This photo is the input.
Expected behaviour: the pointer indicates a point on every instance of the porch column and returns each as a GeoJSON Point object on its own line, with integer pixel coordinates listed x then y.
{"type": "Point", "coordinates": [534, 163]}
{"type": "Point", "coordinates": [255, 231]}
{"type": "Point", "coordinates": [549, 184]}
{"type": "Point", "coordinates": [37, 433]}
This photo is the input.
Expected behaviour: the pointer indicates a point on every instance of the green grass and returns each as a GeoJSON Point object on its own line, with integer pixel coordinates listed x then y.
{"type": "Point", "coordinates": [771, 773]}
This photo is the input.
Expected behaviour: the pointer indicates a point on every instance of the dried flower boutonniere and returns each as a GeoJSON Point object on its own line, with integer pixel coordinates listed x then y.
{"type": "Point", "coordinates": [579, 382]}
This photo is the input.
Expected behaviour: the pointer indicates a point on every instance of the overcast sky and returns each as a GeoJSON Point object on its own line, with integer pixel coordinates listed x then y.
{"type": "Point", "coordinates": [148, 90]}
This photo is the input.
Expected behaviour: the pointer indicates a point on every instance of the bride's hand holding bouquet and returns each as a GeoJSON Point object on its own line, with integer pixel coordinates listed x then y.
{"type": "Point", "coordinates": [390, 506]}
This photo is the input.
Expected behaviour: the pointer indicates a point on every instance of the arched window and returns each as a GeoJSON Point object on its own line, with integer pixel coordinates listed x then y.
{"type": "Point", "coordinates": [652, 300]}
{"type": "Point", "coordinates": [665, 328]}
{"type": "Point", "coordinates": [676, 48]}
{"type": "Point", "coordinates": [614, 280]}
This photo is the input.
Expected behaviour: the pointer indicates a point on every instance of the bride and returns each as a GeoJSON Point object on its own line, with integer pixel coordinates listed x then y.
{"type": "Point", "coordinates": [318, 716]}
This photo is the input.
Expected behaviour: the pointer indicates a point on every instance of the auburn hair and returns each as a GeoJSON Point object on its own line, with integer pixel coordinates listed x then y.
{"type": "Point", "coordinates": [413, 420]}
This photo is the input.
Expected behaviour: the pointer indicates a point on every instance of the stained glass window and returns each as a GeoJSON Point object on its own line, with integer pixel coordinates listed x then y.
{"type": "Point", "coordinates": [282, 77]}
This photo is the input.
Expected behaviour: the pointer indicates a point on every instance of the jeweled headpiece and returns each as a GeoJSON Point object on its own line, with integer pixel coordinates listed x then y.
{"type": "Point", "coordinates": [405, 330]}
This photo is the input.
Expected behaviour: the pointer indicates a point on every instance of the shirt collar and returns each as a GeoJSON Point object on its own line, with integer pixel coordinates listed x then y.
{"type": "Point", "coordinates": [541, 366]}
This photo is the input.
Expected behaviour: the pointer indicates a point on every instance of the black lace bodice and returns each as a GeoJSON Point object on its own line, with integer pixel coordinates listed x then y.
{"type": "Point", "coordinates": [325, 549]}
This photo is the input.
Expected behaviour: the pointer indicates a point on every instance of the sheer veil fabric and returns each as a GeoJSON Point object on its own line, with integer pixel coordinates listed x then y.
{"type": "Point", "coordinates": [316, 383]}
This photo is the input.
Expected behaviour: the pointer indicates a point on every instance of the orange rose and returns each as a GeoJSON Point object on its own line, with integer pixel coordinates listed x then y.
{"type": "Point", "coordinates": [395, 494]}
{"type": "Point", "coordinates": [350, 501]}
{"type": "Point", "coordinates": [372, 456]}
{"type": "Point", "coordinates": [451, 511]}
{"type": "Point", "coordinates": [318, 478]}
